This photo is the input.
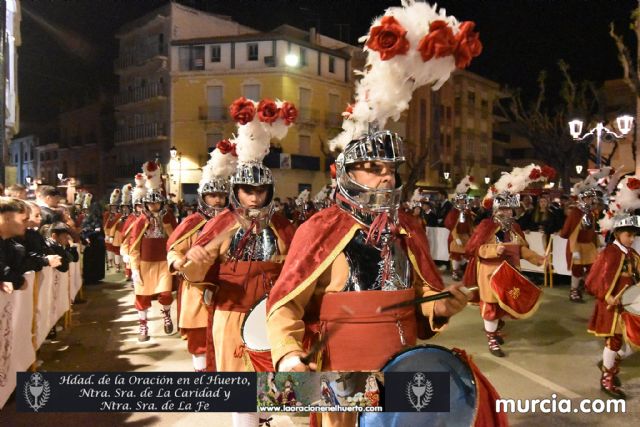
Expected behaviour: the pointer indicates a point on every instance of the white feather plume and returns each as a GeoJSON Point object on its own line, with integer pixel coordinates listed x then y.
{"type": "Point", "coordinates": [593, 181]}
{"type": "Point", "coordinates": [126, 194]}
{"type": "Point", "coordinates": [219, 166]}
{"type": "Point", "coordinates": [254, 138]}
{"type": "Point", "coordinates": [464, 185]}
{"type": "Point", "coordinates": [151, 171]}
{"type": "Point", "coordinates": [516, 181]}
{"type": "Point", "coordinates": [115, 196]}
{"type": "Point", "coordinates": [386, 87]}
{"type": "Point", "coordinates": [626, 200]}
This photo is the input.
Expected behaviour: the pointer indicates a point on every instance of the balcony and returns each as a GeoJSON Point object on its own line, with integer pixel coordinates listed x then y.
{"type": "Point", "coordinates": [127, 171]}
{"type": "Point", "coordinates": [334, 120]}
{"type": "Point", "coordinates": [212, 113]}
{"type": "Point", "coordinates": [146, 132]}
{"type": "Point", "coordinates": [311, 163]}
{"type": "Point", "coordinates": [140, 94]}
{"type": "Point", "coordinates": [307, 116]}
{"type": "Point", "coordinates": [139, 55]}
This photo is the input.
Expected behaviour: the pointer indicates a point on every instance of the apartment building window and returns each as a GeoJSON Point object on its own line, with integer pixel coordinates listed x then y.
{"type": "Point", "coordinates": [251, 92]}
{"type": "Point", "coordinates": [303, 57]}
{"type": "Point", "coordinates": [215, 53]}
{"type": "Point", "coordinates": [471, 98]}
{"type": "Point", "coordinates": [252, 52]}
{"type": "Point", "coordinates": [332, 64]}
{"type": "Point", "coordinates": [304, 145]}
{"type": "Point", "coordinates": [457, 104]}
{"type": "Point", "coordinates": [191, 58]}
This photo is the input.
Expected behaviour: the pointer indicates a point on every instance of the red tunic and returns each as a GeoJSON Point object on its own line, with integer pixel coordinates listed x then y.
{"type": "Point", "coordinates": [574, 220]}
{"type": "Point", "coordinates": [607, 278]}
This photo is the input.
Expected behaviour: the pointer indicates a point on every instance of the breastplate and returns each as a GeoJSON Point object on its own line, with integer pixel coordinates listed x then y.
{"type": "Point", "coordinates": [261, 246]}
{"type": "Point", "coordinates": [366, 264]}
{"type": "Point", "coordinates": [155, 230]}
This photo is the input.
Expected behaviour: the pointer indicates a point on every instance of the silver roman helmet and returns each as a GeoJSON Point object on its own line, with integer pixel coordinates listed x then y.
{"type": "Point", "coordinates": [505, 193]}
{"type": "Point", "coordinates": [622, 206]}
{"type": "Point", "coordinates": [153, 183]}
{"type": "Point", "coordinates": [380, 146]}
{"type": "Point", "coordinates": [215, 177]}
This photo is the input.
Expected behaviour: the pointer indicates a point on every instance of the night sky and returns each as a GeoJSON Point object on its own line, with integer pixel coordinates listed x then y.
{"type": "Point", "coordinates": [68, 47]}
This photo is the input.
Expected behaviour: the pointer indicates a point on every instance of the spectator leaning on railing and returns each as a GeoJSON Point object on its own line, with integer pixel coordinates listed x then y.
{"type": "Point", "coordinates": [60, 242]}
{"type": "Point", "coordinates": [13, 218]}
{"type": "Point", "coordinates": [38, 255]}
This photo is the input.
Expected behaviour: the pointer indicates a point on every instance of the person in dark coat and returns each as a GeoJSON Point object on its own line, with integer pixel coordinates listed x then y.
{"type": "Point", "coordinates": [93, 238]}
{"type": "Point", "coordinates": [13, 221]}
{"type": "Point", "coordinates": [48, 197]}
{"type": "Point", "coordinates": [59, 241]}
{"type": "Point", "coordinates": [38, 255]}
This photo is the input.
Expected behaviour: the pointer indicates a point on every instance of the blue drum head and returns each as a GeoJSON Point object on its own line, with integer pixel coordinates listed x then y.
{"type": "Point", "coordinates": [462, 390]}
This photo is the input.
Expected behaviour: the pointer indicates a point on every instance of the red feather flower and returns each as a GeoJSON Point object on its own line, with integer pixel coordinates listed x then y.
{"type": "Point", "coordinates": [242, 110]}
{"type": "Point", "coordinates": [633, 184]}
{"type": "Point", "coordinates": [288, 113]}
{"type": "Point", "coordinates": [332, 170]}
{"type": "Point", "coordinates": [471, 179]}
{"type": "Point", "coordinates": [487, 203]}
{"type": "Point", "coordinates": [548, 172]}
{"type": "Point", "coordinates": [388, 38]}
{"type": "Point", "coordinates": [152, 166]}
{"type": "Point", "coordinates": [468, 44]}
{"type": "Point", "coordinates": [225, 146]}
{"type": "Point", "coordinates": [268, 111]}
{"type": "Point", "coordinates": [348, 112]}
{"type": "Point", "coordinates": [535, 174]}
{"type": "Point", "coordinates": [438, 43]}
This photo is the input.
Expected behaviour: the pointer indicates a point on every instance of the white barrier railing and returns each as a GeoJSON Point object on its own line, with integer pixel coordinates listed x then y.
{"type": "Point", "coordinates": [26, 317]}
{"type": "Point", "coordinates": [439, 249]}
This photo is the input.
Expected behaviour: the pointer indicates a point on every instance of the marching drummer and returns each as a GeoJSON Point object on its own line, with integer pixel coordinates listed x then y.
{"type": "Point", "coordinates": [459, 222]}
{"type": "Point", "coordinates": [213, 194]}
{"type": "Point", "coordinates": [499, 243]}
{"type": "Point", "coordinates": [615, 271]}
{"type": "Point", "coordinates": [580, 230]}
{"type": "Point", "coordinates": [241, 250]}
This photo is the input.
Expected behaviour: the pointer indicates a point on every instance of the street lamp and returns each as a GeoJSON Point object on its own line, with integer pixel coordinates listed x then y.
{"type": "Point", "coordinates": [291, 59]}
{"type": "Point", "coordinates": [487, 180]}
{"type": "Point", "coordinates": [446, 175]}
{"type": "Point", "coordinates": [29, 179]}
{"type": "Point", "coordinates": [60, 176]}
{"type": "Point", "coordinates": [624, 124]}
{"type": "Point", "coordinates": [173, 151]}
{"type": "Point", "coordinates": [579, 169]}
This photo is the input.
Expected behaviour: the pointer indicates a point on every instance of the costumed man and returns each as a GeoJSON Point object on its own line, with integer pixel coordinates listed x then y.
{"type": "Point", "coordinates": [240, 252]}
{"type": "Point", "coordinates": [495, 250]}
{"type": "Point", "coordinates": [213, 196]}
{"type": "Point", "coordinates": [580, 230]}
{"type": "Point", "coordinates": [323, 198]}
{"type": "Point", "coordinates": [459, 222]}
{"type": "Point", "coordinates": [137, 196]}
{"type": "Point", "coordinates": [111, 218]}
{"type": "Point", "coordinates": [304, 208]}
{"type": "Point", "coordinates": [616, 269]}
{"type": "Point", "coordinates": [118, 230]}
{"type": "Point", "coordinates": [148, 252]}
{"type": "Point", "coordinates": [364, 253]}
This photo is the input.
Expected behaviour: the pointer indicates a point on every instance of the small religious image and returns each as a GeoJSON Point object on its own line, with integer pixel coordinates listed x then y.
{"type": "Point", "coordinates": [324, 389]}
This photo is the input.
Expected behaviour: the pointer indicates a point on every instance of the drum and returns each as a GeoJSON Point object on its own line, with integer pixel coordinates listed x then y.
{"type": "Point", "coordinates": [631, 299]}
{"type": "Point", "coordinates": [254, 327]}
{"type": "Point", "coordinates": [462, 389]}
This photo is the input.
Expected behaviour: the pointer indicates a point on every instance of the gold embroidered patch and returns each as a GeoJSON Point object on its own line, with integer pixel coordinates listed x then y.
{"type": "Point", "coordinates": [514, 292]}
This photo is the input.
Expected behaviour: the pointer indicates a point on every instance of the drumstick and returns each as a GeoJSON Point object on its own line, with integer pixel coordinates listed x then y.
{"type": "Point", "coordinates": [546, 255]}
{"type": "Point", "coordinates": [416, 301]}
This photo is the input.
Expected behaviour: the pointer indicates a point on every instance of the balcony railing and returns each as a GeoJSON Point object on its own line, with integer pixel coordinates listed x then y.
{"type": "Point", "coordinates": [141, 132]}
{"type": "Point", "coordinates": [212, 113]}
{"type": "Point", "coordinates": [139, 55]}
{"type": "Point", "coordinates": [141, 94]}
{"type": "Point", "coordinates": [334, 120]}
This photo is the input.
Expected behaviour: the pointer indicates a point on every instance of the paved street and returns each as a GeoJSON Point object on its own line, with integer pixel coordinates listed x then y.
{"type": "Point", "coordinates": [550, 353]}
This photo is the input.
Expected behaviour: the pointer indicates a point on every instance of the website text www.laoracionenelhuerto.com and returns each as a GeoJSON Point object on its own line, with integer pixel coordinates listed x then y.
{"type": "Point", "coordinates": [335, 408]}
{"type": "Point", "coordinates": [562, 406]}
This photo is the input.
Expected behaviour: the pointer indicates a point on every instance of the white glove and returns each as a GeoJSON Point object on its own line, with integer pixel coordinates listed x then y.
{"type": "Point", "coordinates": [135, 276]}
{"type": "Point", "coordinates": [288, 363]}
{"type": "Point", "coordinates": [108, 239]}
{"type": "Point", "coordinates": [576, 255]}
{"type": "Point", "coordinates": [125, 259]}
{"type": "Point", "coordinates": [459, 242]}
{"type": "Point", "coordinates": [7, 287]}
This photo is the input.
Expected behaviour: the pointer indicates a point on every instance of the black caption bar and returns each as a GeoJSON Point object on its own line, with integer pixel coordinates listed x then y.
{"type": "Point", "coordinates": [136, 392]}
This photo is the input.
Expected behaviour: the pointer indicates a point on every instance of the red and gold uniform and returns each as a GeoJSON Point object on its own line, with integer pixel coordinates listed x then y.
{"type": "Point", "coordinates": [460, 226]}
{"type": "Point", "coordinates": [237, 284]}
{"type": "Point", "coordinates": [309, 299]}
{"type": "Point", "coordinates": [582, 246]}
{"type": "Point", "coordinates": [192, 316]}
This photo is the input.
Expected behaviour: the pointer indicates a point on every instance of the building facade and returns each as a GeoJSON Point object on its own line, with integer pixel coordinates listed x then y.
{"type": "Point", "coordinates": [212, 72]}
{"type": "Point", "coordinates": [143, 113]}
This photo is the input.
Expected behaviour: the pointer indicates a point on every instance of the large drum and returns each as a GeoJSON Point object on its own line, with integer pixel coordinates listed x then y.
{"type": "Point", "coordinates": [254, 336]}
{"type": "Point", "coordinates": [630, 300]}
{"type": "Point", "coordinates": [462, 389]}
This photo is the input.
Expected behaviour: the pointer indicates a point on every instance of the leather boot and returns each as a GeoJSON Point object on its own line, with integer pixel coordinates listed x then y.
{"type": "Point", "coordinates": [143, 334]}
{"type": "Point", "coordinates": [168, 324]}
{"type": "Point", "coordinates": [607, 382]}
{"type": "Point", "coordinates": [494, 345]}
